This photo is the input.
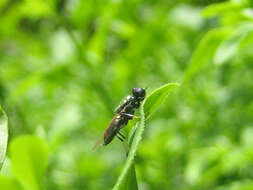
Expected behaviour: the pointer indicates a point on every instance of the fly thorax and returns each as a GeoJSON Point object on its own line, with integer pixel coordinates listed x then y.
{"type": "Point", "coordinates": [135, 104]}
{"type": "Point", "coordinates": [123, 103]}
{"type": "Point", "coordinates": [129, 108]}
{"type": "Point", "coordinates": [128, 98]}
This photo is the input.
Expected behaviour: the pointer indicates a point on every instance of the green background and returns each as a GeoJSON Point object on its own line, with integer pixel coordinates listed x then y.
{"type": "Point", "coordinates": [65, 66]}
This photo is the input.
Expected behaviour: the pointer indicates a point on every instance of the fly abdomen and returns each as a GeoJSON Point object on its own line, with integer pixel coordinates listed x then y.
{"type": "Point", "coordinates": [113, 129]}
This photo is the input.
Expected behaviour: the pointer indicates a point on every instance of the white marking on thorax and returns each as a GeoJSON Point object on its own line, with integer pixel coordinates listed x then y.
{"type": "Point", "coordinates": [128, 98]}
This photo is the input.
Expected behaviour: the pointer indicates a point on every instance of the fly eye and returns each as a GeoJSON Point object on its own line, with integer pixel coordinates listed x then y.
{"type": "Point", "coordinates": [139, 92]}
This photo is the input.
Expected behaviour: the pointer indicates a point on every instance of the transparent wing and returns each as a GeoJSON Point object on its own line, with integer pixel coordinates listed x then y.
{"type": "Point", "coordinates": [99, 142]}
{"type": "Point", "coordinates": [101, 137]}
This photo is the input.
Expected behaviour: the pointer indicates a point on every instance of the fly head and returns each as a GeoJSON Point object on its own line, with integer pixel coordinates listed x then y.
{"type": "Point", "coordinates": [139, 93]}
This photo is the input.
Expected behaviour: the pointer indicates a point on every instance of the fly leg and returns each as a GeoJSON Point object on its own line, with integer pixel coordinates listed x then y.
{"type": "Point", "coordinates": [130, 115]}
{"type": "Point", "coordinates": [122, 138]}
{"type": "Point", "coordinates": [121, 135]}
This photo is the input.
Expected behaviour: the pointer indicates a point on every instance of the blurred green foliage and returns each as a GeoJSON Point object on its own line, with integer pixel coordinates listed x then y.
{"type": "Point", "coordinates": [65, 65]}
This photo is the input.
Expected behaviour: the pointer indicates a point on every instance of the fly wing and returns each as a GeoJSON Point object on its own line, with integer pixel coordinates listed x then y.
{"type": "Point", "coordinates": [101, 137]}
{"type": "Point", "coordinates": [99, 142]}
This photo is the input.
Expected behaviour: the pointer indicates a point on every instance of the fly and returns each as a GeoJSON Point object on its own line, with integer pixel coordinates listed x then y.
{"type": "Point", "coordinates": [123, 113]}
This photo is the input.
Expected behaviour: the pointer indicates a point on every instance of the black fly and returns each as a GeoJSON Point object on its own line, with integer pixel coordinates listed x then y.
{"type": "Point", "coordinates": [124, 112]}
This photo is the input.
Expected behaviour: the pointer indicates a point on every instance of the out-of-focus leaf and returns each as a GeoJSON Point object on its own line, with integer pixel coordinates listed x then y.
{"type": "Point", "coordinates": [127, 179]}
{"type": "Point", "coordinates": [219, 8]}
{"type": "Point", "coordinates": [36, 8]}
{"type": "Point", "coordinates": [126, 30]}
{"type": "Point", "coordinates": [3, 135]}
{"type": "Point", "coordinates": [230, 46]}
{"type": "Point", "coordinates": [29, 157]}
{"type": "Point", "coordinates": [7, 183]}
{"type": "Point", "coordinates": [194, 19]}
{"type": "Point", "coordinates": [3, 3]}
{"type": "Point", "coordinates": [206, 49]}
{"type": "Point", "coordinates": [241, 185]}
{"type": "Point", "coordinates": [96, 47]}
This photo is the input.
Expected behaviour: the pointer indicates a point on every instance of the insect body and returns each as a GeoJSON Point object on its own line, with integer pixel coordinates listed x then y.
{"type": "Point", "coordinates": [124, 112]}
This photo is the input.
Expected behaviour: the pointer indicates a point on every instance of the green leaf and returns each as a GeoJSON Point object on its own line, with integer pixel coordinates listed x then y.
{"type": "Point", "coordinates": [29, 159]}
{"type": "Point", "coordinates": [7, 183]}
{"type": "Point", "coordinates": [156, 98]}
{"type": "Point", "coordinates": [230, 46]}
{"type": "Point", "coordinates": [206, 50]}
{"type": "Point", "coordinates": [128, 167]}
{"type": "Point", "coordinates": [129, 182]}
{"type": "Point", "coordinates": [127, 179]}
{"type": "Point", "coordinates": [3, 135]}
